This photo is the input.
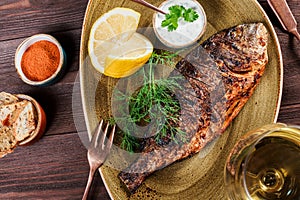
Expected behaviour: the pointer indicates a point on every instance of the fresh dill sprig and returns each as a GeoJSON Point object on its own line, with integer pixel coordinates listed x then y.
{"type": "Point", "coordinates": [163, 58]}
{"type": "Point", "coordinates": [129, 143]}
{"type": "Point", "coordinates": [154, 103]}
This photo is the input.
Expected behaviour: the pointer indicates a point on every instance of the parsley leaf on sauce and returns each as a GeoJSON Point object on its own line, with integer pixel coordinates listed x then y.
{"type": "Point", "coordinates": [177, 12]}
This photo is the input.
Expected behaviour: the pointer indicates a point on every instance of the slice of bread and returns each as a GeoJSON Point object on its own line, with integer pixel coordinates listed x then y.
{"type": "Point", "coordinates": [7, 141]}
{"type": "Point", "coordinates": [6, 98]}
{"type": "Point", "coordinates": [25, 124]}
{"type": "Point", "coordinates": [18, 120]}
{"type": "Point", "coordinates": [10, 112]}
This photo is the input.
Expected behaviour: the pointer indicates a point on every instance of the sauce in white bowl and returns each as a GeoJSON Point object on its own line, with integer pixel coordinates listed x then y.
{"type": "Point", "coordinates": [186, 33]}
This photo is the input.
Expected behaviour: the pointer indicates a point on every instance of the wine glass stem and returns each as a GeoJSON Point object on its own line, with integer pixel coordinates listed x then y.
{"type": "Point", "coordinates": [271, 180]}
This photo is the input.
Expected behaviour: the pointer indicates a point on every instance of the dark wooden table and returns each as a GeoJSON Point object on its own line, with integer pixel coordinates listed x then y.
{"type": "Point", "coordinates": [56, 167]}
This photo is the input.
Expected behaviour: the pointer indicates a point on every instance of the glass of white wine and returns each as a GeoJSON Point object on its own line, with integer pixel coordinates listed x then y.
{"type": "Point", "coordinates": [265, 164]}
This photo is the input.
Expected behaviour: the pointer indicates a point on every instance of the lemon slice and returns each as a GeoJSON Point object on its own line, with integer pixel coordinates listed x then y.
{"type": "Point", "coordinates": [127, 58]}
{"type": "Point", "coordinates": [114, 46]}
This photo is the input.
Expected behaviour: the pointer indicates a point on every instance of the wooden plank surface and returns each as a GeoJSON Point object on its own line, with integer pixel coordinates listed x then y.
{"type": "Point", "coordinates": [56, 167]}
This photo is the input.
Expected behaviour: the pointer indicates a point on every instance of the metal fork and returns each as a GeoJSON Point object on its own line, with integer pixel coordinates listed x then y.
{"type": "Point", "coordinates": [97, 152]}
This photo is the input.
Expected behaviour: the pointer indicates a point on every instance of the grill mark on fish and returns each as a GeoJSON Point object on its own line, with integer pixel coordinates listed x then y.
{"type": "Point", "coordinates": [239, 57]}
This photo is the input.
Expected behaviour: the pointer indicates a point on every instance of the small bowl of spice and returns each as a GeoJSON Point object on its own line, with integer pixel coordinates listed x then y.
{"type": "Point", "coordinates": [40, 60]}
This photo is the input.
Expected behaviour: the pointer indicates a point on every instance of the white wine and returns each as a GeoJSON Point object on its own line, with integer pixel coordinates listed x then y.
{"type": "Point", "coordinates": [266, 167]}
{"type": "Point", "coordinates": [273, 168]}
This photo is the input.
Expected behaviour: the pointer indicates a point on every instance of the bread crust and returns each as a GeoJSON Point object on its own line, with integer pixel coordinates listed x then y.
{"type": "Point", "coordinates": [6, 98]}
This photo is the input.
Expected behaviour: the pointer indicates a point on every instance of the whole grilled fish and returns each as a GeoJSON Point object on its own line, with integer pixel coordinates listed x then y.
{"type": "Point", "coordinates": [220, 76]}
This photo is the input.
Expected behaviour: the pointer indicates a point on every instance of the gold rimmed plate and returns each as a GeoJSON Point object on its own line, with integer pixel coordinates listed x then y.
{"type": "Point", "coordinates": [200, 176]}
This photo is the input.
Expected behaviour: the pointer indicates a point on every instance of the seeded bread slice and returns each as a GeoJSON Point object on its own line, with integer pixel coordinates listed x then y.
{"type": "Point", "coordinates": [6, 98]}
{"type": "Point", "coordinates": [7, 141]}
{"type": "Point", "coordinates": [17, 121]}
{"type": "Point", "coordinates": [25, 124]}
{"type": "Point", "coordinates": [10, 112]}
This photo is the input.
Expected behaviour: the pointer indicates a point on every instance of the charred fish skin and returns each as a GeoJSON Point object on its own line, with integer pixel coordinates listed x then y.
{"type": "Point", "coordinates": [240, 49]}
{"type": "Point", "coordinates": [218, 89]}
{"type": "Point", "coordinates": [241, 56]}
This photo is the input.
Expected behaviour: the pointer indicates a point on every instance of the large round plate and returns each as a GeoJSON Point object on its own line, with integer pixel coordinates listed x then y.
{"type": "Point", "coordinates": [199, 177]}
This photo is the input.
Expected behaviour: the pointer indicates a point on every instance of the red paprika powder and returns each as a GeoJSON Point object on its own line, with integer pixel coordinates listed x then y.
{"type": "Point", "coordinates": [40, 60]}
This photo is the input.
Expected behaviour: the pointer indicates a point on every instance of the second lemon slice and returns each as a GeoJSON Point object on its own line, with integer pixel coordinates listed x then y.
{"type": "Point", "coordinates": [114, 46]}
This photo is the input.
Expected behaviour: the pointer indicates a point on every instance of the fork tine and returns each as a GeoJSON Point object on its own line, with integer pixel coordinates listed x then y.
{"type": "Point", "coordinates": [111, 137]}
{"type": "Point", "coordinates": [96, 134]}
{"type": "Point", "coordinates": [103, 136]}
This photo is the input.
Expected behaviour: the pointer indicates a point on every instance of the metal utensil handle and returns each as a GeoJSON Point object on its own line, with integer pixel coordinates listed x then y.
{"type": "Point", "coordinates": [144, 3]}
{"type": "Point", "coordinates": [285, 16]}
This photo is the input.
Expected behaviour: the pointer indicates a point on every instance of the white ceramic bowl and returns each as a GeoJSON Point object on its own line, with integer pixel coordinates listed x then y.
{"type": "Point", "coordinates": [25, 45]}
{"type": "Point", "coordinates": [187, 33]}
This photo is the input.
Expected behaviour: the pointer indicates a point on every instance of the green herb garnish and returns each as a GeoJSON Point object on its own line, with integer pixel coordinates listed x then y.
{"type": "Point", "coordinates": [154, 103]}
{"type": "Point", "coordinates": [177, 12]}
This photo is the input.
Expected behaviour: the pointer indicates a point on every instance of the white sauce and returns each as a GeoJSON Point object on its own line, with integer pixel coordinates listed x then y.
{"type": "Point", "coordinates": [187, 32]}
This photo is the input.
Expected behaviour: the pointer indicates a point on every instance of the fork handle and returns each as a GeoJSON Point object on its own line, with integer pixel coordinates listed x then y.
{"type": "Point", "coordinates": [89, 183]}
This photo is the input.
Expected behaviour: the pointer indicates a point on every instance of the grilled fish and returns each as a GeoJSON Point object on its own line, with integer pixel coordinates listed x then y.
{"type": "Point", "coordinates": [220, 76]}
